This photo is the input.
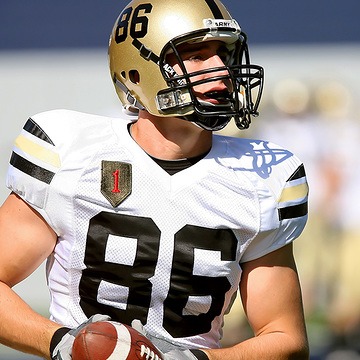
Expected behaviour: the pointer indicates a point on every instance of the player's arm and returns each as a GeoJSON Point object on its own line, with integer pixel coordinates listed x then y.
{"type": "Point", "coordinates": [26, 241]}
{"type": "Point", "coordinates": [272, 301]}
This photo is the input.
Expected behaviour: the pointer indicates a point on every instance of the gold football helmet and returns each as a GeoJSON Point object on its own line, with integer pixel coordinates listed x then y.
{"type": "Point", "coordinates": [147, 31]}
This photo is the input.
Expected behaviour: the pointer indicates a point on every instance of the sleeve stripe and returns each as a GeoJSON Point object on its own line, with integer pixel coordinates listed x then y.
{"type": "Point", "coordinates": [293, 201]}
{"type": "Point", "coordinates": [31, 169]}
{"type": "Point", "coordinates": [37, 151]}
{"type": "Point", "coordinates": [295, 211]}
{"type": "Point", "coordinates": [294, 192]}
{"type": "Point", "coordinates": [299, 173]}
{"type": "Point", "coordinates": [33, 128]}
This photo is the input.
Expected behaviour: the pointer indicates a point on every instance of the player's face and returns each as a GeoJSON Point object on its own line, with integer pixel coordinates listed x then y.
{"type": "Point", "coordinates": [203, 56]}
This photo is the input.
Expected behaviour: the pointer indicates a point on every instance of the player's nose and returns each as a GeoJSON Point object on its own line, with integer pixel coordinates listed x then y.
{"type": "Point", "coordinates": [214, 62]}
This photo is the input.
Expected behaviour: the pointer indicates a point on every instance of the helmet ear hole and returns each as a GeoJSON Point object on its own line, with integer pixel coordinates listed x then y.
{"type": "Point", "coordinates": [134, 76]}
{"type": "Point", "coordinates": [123, 74]}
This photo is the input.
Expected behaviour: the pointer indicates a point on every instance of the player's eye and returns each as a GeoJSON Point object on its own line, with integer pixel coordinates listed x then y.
{"type": "Point", "coordinates": [225, 55]}
{"type": "Point", "coordinates": [196, 57]}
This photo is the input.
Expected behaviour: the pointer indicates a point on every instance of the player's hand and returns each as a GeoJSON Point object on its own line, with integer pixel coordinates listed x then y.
{"type": "Point", "coordinates": [185, 355]}
{"type": "Point", "coordinates": [138, 326]}
{"type": "Point", "coordinates": [63, 339]}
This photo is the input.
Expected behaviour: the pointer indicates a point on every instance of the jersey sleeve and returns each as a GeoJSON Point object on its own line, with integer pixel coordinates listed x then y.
{"type": "Point", "coordinates": [49, 157]}
{"type": "Point", "coordinates": [283, 206]}
{"type": "Point", "coordinates": [34, 162]}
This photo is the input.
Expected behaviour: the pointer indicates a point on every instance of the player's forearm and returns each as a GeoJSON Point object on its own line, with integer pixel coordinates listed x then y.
{"type": "Point", "coordinates": [271, 346]}
{"type": "Point", "coordinates": [20, 327]}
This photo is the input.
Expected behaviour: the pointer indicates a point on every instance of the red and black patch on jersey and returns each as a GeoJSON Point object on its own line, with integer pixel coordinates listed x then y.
{"type": "Point", "coordinates": [116, 181]}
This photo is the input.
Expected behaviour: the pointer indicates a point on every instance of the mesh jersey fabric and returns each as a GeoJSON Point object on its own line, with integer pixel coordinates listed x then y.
{"type": "Point", "coordinates": [169, 253]}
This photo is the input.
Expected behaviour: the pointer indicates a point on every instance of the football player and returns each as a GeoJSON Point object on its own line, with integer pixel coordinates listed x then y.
{"type": "Point", "coordinates": [151, 216]}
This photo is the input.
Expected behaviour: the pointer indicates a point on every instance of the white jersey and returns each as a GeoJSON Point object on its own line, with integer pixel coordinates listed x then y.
{"type": "Point", "coordinates": [137, 243]}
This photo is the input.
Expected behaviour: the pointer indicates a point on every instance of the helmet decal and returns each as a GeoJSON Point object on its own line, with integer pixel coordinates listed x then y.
{"type": "Point", "coordinates": [132, 23]}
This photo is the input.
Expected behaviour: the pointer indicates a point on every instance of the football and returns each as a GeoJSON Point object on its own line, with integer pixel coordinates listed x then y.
{"type": "Point", "coordinates": [109, 340]}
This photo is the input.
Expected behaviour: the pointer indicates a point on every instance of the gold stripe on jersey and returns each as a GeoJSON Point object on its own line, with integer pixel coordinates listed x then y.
{"type": "Point", "coordinates": [37, 151]}
{"type": "Point", "coordinates": [294, 192]}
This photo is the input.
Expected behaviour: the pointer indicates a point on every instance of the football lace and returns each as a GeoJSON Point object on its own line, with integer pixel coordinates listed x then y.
{"type": "Point", "coordinates": [148, 353]}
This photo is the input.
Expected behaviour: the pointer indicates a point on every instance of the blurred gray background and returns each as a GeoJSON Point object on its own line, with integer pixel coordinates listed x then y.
{"type": "Point", "coordinates": [54, 55]}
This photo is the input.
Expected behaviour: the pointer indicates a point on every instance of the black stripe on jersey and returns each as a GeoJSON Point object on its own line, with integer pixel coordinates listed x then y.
{"type": "Point", "coordinates": [295, 211]}
{"type": "Point", "coordinates": [31, 169]}
{"type": "Point", "coordinates": [215, 9]}
{"type": "Point", "coordinates": [299, 173]}
{"type": "Point", "coordinates": [33, 128]}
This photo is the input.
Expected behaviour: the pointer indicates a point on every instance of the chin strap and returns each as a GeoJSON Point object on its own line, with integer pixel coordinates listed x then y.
{"type": "Point", "coordinates": [133, 102]}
